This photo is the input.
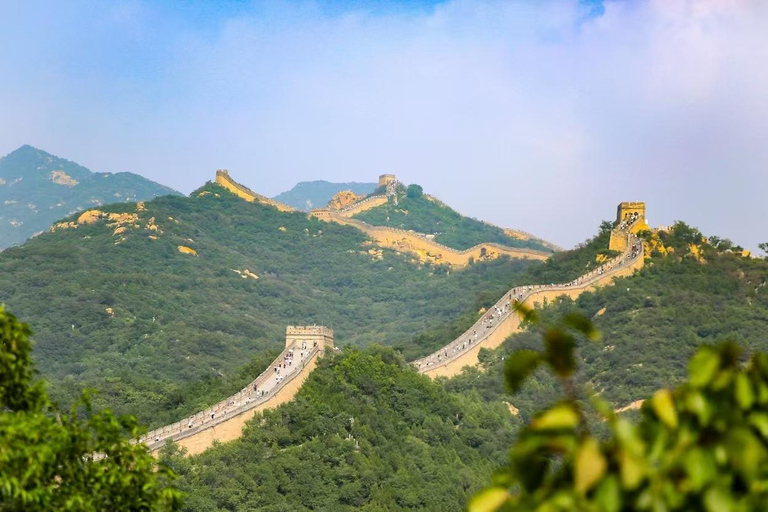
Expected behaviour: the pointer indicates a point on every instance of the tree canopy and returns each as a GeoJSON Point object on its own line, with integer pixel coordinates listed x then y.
{"type": "Point", "coordinates": [79, 460]}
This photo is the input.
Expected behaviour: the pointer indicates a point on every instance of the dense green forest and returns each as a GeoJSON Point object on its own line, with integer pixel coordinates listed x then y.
{"type": "Point", "coordinates": [413, 445]}
{"type": "Point", "coordinates": [159, 333]}
{"type": "Point", "coordinates": [697, 294]}
{"type": "Point", "coordinates": [37, 189]}
{"type": "Point", "coordinates": [424, 214]}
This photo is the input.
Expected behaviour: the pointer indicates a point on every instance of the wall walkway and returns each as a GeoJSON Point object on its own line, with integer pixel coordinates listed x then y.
{"type": "Point", "coordinates": [225, 420]}
{"type": "Point", "coordinates": [412, 242]}
{"type": "Point", "coordinates": [502, 320]}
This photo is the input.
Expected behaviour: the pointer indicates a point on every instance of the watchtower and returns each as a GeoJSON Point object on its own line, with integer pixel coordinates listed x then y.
{"type": "Point", "coordinates": [625, 212]}
{"type": "Point", "coordinates": [627, 209]}
{"type": "Point", "coordinates": [321, 214]}
{"type": "Point", "coordinates": [386, 179]}
{"type": "Point", "coordinates": [312, 334]}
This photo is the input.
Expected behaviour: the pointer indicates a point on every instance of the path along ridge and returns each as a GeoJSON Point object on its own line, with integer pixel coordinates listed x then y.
{"type": "Point", "coordinates": [226, 420]}
{"type": "Point", "coordinates": [502, 320]}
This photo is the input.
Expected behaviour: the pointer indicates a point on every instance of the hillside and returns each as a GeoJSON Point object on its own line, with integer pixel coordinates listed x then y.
{"type": "Point", "coordinates": [37, 189]}
{"type": "Point", "coordinates": [160, 306]}
{"type": "Point", "coordinates": [417, 211]}
{"type": "Point", "coordinates": [691, 292]}
{"type": "Point", "coordinates": [411, 439]}
{"type": "Point", "coordinates": [308, 195]}
{"type": "Point", "coordinates": [365, 433]}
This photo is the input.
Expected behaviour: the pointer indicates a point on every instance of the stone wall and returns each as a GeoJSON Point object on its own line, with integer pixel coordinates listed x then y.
{"type": "Point", "coordinates": [535, 296]}
{"type": "Point", "coordinates": [362, 205]}
{"type": "Point", "coordinates": [225, 180]}
{"type": "Point", "coordinates": [417, 244]}
{"type": "Point", "coordinates": [231, 428]}
{"type": "Point", "coordinates": [224, 421]}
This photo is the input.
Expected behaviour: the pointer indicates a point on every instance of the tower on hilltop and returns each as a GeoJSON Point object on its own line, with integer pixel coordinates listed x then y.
{"type": "Point", "coordinates": [386, 179]}
{"type": "Point", "coordinates": [625, 213]}
{"type": "Point", "coordinates": [312, 334]}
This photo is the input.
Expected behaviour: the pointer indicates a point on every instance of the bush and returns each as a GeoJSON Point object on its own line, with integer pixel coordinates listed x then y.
{"type": "Point", "coordinates": [703, 446]}
{"type": "Point", "coordinates": [414, 191]}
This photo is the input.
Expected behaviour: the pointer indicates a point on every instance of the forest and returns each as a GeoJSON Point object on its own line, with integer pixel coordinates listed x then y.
{"type": "Point", "coordinates": [159, 333]}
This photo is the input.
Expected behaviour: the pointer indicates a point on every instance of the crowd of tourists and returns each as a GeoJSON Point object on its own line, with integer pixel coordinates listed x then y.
{"type": "Point", "coordinates": [286, 364]}
{"type": "Point", "coordinates": [509, 303]}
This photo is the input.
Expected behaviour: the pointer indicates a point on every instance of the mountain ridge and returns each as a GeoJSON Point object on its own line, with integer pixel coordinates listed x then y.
{"type": "Point", "coordinates": [38, 188]}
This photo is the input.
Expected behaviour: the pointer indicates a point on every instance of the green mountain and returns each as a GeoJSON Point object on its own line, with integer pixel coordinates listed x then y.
{"type": "Point", "coordinates": [160, 307]}
{"type": "Point", "coordinates": [366, 432]}
{"type": "Point", "coordinates": [420, 444]}
{"type": "Point", "coordinates": [307, 195]}
{"type": "Point", "coordinates": [414, 210]}
{"type": "Point", "coordinates": [37, 189]}
{"type": "Point", "coordinates": [691, 292]}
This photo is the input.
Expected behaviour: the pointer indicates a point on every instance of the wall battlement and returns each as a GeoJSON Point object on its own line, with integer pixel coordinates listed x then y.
{"type": "Point", "coordinates": [386, 179]}
{"type": "Point", "coordinates": [633, 214]}
{"type": "Point", "coordinates": [226, 420]}
{"type": "Point", "coordinates": [418, 244]}
{"type": "Point", "coordinates": [276, 385]}
{"type": "Point", "coordinates": [312, 335]}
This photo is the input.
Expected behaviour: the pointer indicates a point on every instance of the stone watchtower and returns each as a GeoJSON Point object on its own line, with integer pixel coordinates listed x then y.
{"type": "Point", "coordinates": [323, 336]}
{"type": "Point", "coordinates": [386, 179]}
{"type": "Point", "coordinates": [624, 212]}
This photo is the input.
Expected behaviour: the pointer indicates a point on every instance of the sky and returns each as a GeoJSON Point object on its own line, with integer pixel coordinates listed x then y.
{"type": "Point", "coordinates": [540, 115]}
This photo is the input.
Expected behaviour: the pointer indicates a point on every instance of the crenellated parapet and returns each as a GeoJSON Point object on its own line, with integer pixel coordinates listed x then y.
{"type": "Point", "coordinates": [276, 385]}
{"type": "Point", "coordinates": [418, 244]}
{"type": "Point", "coordinates": [630, 216]}
{"type": "Point", "coordinates": [310, 336]}
{"type": "Point", "coordinates": [501, 320]}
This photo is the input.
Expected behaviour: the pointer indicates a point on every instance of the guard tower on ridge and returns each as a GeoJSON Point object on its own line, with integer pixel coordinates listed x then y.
{"type": "Point", "coordinates": [312, 334]}
{"type": "Point", "coordinates": [625, 212]}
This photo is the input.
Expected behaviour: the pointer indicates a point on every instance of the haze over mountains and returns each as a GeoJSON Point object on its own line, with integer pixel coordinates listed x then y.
{"type": "Point", "coordinates": [37, 189]}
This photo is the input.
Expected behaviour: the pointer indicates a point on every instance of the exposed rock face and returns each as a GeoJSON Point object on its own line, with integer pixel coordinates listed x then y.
{"type": "Point", "coordinates": [62, 178]}
{"type": "Point", "coordinates": [187, 250]}
{"type": "Point", "coordinates": [343, 199]}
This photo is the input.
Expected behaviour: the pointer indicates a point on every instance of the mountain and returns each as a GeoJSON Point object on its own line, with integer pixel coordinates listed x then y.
{"type": "Point", "coordinates": [410, 209]}
{"type": "Point", "coordinates": [37, 189]}
{"type": "Point", "coordinates": [693, 291]}
{"type": "Point", "coordinates": [161, 305]}
{"type": "Point", "coordinates": [368, 433]}
{"type": "Point", "coordinates": [308, 195]}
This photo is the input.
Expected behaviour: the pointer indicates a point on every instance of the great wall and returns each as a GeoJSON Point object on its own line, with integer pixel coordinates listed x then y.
{"type": "Point", "coordinates": [280, 382]}
{"type": "Point", "coordinates": [400, 240]}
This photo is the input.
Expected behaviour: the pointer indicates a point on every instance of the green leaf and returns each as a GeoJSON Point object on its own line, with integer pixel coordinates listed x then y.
{"type": "Point", "coordinates": [559, 351]}
{"type": "Point", "coordinates": [488, 500]}
{"type": "Point", "coordinates": [700, 467]}
{"type": "Point", "coordinates": [632, 469]}
{"type": "Point", "coordinates": [664, 406]}
{"type": "Point", "coordinates": [703, 367]}
{"type": "Point", "coordinates": [759, 420]}
{"type": "Point", "coordinates": [717, 500]}
{"type": "Point", "coordinates": [590, 465]}
{"type": "Point", "coordinates": [561, 416]}
{"type": "Point", "coordinates": [518, 367]}
{"type": "Point", "coordinates": [745, 395]}
{"type": "Point", "coordinates": [608, 494]}
{"type": "Point", "coordinates": [582, 324]}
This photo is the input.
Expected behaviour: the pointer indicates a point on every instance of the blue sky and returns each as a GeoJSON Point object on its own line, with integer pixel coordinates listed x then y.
{"type": "Point", "coordinates": [540, 115]}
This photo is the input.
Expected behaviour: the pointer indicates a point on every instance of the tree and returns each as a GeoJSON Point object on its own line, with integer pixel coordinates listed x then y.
{"type": "Point", "coordinates": [414, 191]}
{"type": "Point", "coordinates": [703, 446]}
{"type": "Point", "coordinates": [52, 460]}
{"type": "Point", "coordinates": [764, 247]}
